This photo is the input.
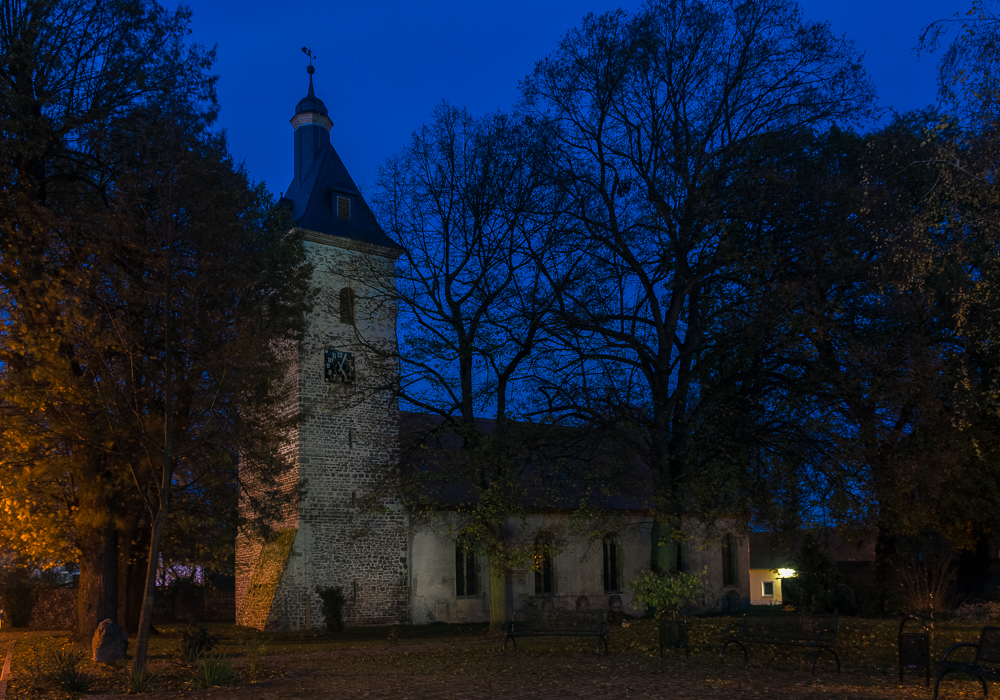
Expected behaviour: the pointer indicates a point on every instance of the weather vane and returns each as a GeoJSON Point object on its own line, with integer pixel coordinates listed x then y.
{"type": "Point", "coordinates": [308, 52]}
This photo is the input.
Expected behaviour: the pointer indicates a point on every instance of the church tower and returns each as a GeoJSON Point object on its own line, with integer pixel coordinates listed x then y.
{"type": "Point", "coordinates": [344, 385]}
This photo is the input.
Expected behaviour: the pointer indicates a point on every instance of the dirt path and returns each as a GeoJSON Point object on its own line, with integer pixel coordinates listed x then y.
{"type": "Point", "coordinates": [5, 673]}
{"type": "Point", "coordinates": [479, 671]}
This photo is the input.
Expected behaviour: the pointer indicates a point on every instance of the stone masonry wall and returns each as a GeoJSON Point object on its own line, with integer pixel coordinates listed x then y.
{"type": "Point", "coordinates": [349, 435]}
{"type": "Point", "coordinates": [248, 549]}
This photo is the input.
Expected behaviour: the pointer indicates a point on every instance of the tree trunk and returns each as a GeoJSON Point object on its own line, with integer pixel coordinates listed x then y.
{"type": "Point", "coordinates": [498, 592]}
{"type": "Point", "coordinates": [132, 561]}
{"type": "Point", "coordinates": [663, 548]}
{"type": "Point", "coordinates": [97, 596]}
{"type": "Point", "coordinates": [146, 615]}
{"type": "Point", "coordinates": [164, 485]}
{"type": "Point", "coordinates": [886, 570]}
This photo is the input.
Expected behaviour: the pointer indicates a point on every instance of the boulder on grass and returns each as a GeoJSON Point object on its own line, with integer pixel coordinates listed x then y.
{"type": "Point", "coordinates": [110, 642]}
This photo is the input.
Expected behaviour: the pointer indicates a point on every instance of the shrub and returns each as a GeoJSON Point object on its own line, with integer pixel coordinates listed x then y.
{"type": "Point", "coordinates": [253, 651]}
{"type": "Point", "coordinates": [819, 586]}
{"type": "Point", "coordinates": [196, 642]}
{"type": "Point", "coordinates": [141, 680]}
{"type": "Point", "coordinates": [977, 612]}
{"type": "Point", "coordinates": [668, 591]}
{"type": "Point", "coordinates": [927, 587]}
{"type": "Point", "coordinates": [66, 672]}
{"type": "Point", "coordinates": [333, 607]}
{"type": "Point", "coordinates": [213, 671]}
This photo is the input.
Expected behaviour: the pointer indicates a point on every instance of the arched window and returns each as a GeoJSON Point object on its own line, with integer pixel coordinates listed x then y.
{"type": "Point", "coordinates": [729, 561]}
{"type": "Point", "coordinates": [465, 570]}
{"type": "Point", "coordinates": [612, 567]}
{"type": "Point", "coordinates": [543, 565]}
{"type": "Point", "coordinates": [347, 306]}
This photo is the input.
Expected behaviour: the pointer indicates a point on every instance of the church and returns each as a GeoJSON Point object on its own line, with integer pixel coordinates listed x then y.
{"type": "Point", "coordinates": [393, 572]}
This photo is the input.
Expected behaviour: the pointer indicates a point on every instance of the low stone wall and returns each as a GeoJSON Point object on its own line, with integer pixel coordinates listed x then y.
{"type": "Point", "coordinates": [47, 608]}
{"type": "Point", "coordinates": [220, 606]}
{"type": "Point", "coordinates": [55, 608]}
{"type": "Point", "coordinates": [194, 604]}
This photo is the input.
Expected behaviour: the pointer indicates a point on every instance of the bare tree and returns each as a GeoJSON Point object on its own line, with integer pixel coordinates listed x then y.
{"type": "Point", "coordinates": [467, 203]}
{"type": "Point", "coordinates": [656, 120]}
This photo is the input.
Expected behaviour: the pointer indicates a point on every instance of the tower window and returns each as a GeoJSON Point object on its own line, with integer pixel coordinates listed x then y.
{"type": "Point", "coordinates": [543, 565]}
{"type": "Point", "coordinates": [465, 571]}
{"type": "Point", "coordinates": [344, 208]}
{"type": "Point", "coordinates": [347, 306]}
{"type": "Point", "coordinates": [612, 584]}
{"type": "Point", "coordinates": [729, 564]}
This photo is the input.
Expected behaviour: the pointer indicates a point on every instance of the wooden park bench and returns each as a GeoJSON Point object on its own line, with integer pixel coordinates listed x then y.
{"type": "Point", "coordinates": [557, 623]}
{"type": "Point", "coordinates": [986, 664]}
{"type": "Point", "coordinates": [817, 632]}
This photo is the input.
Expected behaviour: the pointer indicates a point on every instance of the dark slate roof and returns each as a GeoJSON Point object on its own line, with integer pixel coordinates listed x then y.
{"type": "Point", "coordinates": [312, 209]}
{"type": "Point", "coordinates": [311, 197]}
{"type": "Point", "coordinates": [559, 470]}
{"type": "Point", "coordinates": [766, 553]}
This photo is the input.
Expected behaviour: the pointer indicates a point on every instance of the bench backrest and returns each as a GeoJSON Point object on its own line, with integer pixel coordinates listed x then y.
{"type": "Point", "coordinates": [793, 627]}
{"type": "Point", "coordinates": [673, 629]}
{"type": "Point", "coordinates": [988, 653]}
{"type": "Point", "coordinates": [559, 619]}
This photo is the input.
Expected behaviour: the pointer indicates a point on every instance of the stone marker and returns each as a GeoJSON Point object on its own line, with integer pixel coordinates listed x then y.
{"type": "Point", "coordinates": [110, 643]}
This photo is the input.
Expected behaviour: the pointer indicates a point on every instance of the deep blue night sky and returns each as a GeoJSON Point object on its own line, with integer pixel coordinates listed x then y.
{"type": "Point", "coordinates": [383, 64]}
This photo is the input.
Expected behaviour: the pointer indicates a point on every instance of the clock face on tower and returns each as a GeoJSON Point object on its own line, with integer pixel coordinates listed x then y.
{"type": "Point", "coordinates": [338, 365]}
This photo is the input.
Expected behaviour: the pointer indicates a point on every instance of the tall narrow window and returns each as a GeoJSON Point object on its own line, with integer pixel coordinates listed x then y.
{"type": "Point", "coordinates": [681, 564]}
{"type": "Point", "coordinates": [543, 565]}
{"type": "Point", "coordinates": [729, 562]}
{"type": "Point", "coordinates": [465, 571]}
{"type": "Point", "coordinates": [344, 208]}
{"type": "Point", "coordinates": [347, 306]}
{"type": "Point", "coordinates": [611, 578]}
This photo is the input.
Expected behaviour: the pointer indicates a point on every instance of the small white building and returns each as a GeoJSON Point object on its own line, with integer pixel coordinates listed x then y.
{"type": "Point", "coordinates": [766, 568]}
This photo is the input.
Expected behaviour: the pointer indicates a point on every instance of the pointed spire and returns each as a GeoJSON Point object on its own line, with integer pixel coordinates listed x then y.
{"type": "Point", "coordinates": [310, 103]}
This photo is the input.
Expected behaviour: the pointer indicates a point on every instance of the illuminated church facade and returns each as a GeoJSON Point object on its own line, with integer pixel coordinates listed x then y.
{"type": "Point", "coordinates": [388, 572]}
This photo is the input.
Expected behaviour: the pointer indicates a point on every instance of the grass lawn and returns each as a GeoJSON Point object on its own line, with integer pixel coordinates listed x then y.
{"type": "Point", "coordinates": [439, 661]}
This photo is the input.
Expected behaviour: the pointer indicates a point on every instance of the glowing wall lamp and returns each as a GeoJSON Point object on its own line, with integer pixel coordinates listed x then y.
{"type": "Point", "coordinates": [786, 573]}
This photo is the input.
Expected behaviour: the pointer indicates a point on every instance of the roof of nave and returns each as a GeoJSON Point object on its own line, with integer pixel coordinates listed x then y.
{"type": "Point", "coordinates": [545, 467]}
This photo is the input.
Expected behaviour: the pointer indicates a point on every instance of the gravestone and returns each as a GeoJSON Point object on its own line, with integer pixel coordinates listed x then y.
{"type": "Point", "coordinates": [110, 643]}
